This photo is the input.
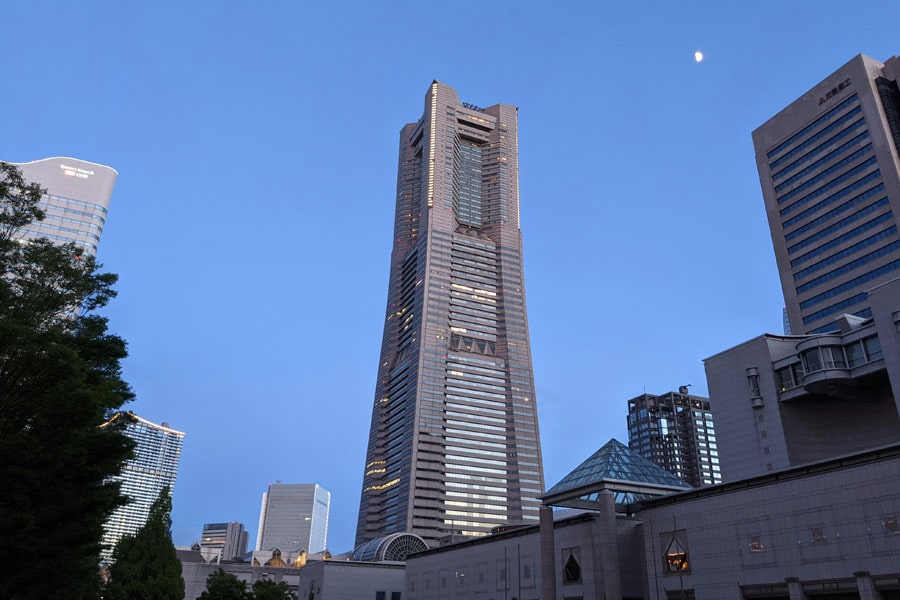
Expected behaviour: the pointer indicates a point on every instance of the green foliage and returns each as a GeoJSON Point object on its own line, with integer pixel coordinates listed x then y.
{"type": "Point", "coordinates": [60, 379]}
{"type": "Point", "coordinates": [145, 566]}
{"type": "Point", "coordinates": [224, 586]}
{"type": "Point", "coordinates": [265, 589]}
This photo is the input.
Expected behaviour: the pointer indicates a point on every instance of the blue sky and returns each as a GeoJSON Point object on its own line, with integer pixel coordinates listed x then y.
{"type": "Point", "coordinates": [256, 145]}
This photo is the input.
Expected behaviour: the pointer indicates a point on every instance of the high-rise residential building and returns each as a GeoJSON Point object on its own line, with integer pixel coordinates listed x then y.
{"type": "Point", "coordinates": [454, 445]}
{"type": "Point", "coordinates": [294, 516]}
{"type": "Point", "coordinates": [830, 175]}
{"type": "Point", "coordinates": [76, 201]}
{"type": "Point", "coordinates": [223, 541]}
{"type": "Point", "coordinates": [676, 432]}
{"type": "Point", "coordinates": [157, 452]}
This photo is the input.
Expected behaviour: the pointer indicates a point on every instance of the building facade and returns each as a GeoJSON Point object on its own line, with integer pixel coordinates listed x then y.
{"type": "Point", "coordinates": [826, 531]}
{"type": "Point", "coordinates": [830, 175]}
{"type": "Point", "coordinates": [76, 200]}
{"type": "Point", "coordinates": [784, 401]}
{"type": "Point", "coordinates": [293, 517]}
{"type": "Point", "coordinates": [676, 432]}
{"type": "Point", "coordinates": [223, 541]}
{"type": "Point", "coordinates": [454, 445]}
{"type": "Point", "coordinates": [157, 453]}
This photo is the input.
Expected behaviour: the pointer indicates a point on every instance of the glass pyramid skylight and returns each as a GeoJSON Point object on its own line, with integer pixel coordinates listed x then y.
{"type": "Point", "coordinates": [615, 461]}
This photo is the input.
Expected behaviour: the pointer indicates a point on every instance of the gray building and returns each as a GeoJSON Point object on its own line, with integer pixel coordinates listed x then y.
{"type": "Point", "coordinates": [828, 166]}
{"type": "Point", "coordinates": [784, 401]}
{"type": "Point", "coordinates": [293, 517]}
{"type": "Point", "coordinates": [76, 200]}
{"type": "Point", "coordinates": [676, 431]}
{"type": "Point", "coordinates": [223, 541]}
{"type": "Point", "coordinates": [157, 452]}
{"type": "Point", "coordinates": [825, 531]}
{"type": "Point", "coordinates": [317, 580]}
{"type": "Point", "coordinates": [454, 445]}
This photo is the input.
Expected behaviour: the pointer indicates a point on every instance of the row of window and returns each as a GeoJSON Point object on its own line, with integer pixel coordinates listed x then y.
{"type": "Point", "coordinates": [842, 238]}
{"type": "Point", "coordinates": [77, 202]}
{"type": "Point", "coordinates": [855, 184]}
{"type": "Point", "coordinates": [855, 282]}
{"type": "Point", "coordinates": [850, 355]}
{"type": "Point", "coordinates": [823, 161]}
{"type": "Point", "coordinates": [812, 183]}
{"type": "Point", "coordinates": [885, 250]}
{"type": "Point", "coordinates": [806, 144]}
{"type": "Point", "coordinates": [831, 113]}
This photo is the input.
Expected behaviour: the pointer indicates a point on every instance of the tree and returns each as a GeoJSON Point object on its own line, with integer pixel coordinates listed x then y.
{"type": "Point", "coordinates": [145, 566]}
{"type": "Point", "coordinates": [60, 378]}
{"type": "Point", "coordinates": [224, 586]}
{"type": "Point", "coordinates": [265, 589]}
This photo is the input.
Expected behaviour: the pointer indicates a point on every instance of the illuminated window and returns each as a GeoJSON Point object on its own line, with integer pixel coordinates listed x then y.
{"type": "Point", "coordinates": [675, 557]}
{"type": "Point", "coordinates": [756, 545]}
{"type": "Point", "coordinates": [891, 525]}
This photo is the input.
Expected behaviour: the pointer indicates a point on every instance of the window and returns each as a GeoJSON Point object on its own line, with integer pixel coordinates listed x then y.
{"type": "Point", "coordinates": [812, 360]}
{"type": "Point", "coordinates": [855, 354]}
{"type": "Point", "coordinates": [834, 357]}
{"type": "Point", "coordinates": [784, 378]}
{"type": "Point", "coordinates": [571, 568]}
{"type": "Point", "coordinates": [675, 552]}
{"type": "Point", "coordinates": [873, 348]}
{"type": "Point", "coordinates": [753, 380]}
{"type": "Point", "coordinates": [756, 545]}
{"type": "Point", "coordinates": [817, 534]}
{"type": "Point", "coordinates": [891, 525]}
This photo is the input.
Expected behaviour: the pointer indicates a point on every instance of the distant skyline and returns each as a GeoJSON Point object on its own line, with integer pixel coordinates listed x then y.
{"type": "Point", "coordinates": [256, 150]}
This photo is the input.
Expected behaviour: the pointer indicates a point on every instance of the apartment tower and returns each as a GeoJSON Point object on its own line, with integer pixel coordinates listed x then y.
{"type": "Point", "coordinates": [157, 452]}
{"type": "Point", "coordinates": [828, 166]}
{"type": "Point", "coordinates": [676, 432]}
{"type": "Point", "coordinates": [76, 200]}
{"type": "Point", "coordinates": [454, 446]}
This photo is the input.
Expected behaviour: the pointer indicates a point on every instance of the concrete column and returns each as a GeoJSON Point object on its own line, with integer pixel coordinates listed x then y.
{"type": "Point", "coordinates": [795, 590]}
{"type": "Point", "coordinates": [865, 586]}
{"type": "Point", "coordinates": [606, 544]}
{"type": "Point", "coordinates": [548, 554]}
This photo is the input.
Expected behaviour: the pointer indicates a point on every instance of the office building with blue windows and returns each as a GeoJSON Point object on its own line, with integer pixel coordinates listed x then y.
{"type": "Point", "coordinates": [75, 203]}
{"type": "Point", "coordinates": [830, 175]}
{"type": "Point", "coordinates": [294, 517]}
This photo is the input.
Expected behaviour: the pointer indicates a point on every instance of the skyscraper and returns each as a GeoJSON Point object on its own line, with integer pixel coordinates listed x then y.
{"type": "Point", "coordinates": [454, 445]}
{"type": "Point", "coordinates": [223, 541]}
{"type": "Point", "coordinates": [676, 432]}
{"type": "Point", "coordinates": [294, 516]}
{"type": "Point", "coordinates": [76, 202]}
{"type": "Point", "coordinates": [157, 452]}
{"type": "Point", "coordinates": [828, 165]}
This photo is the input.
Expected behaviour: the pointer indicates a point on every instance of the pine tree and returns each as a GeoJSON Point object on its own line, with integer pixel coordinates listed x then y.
{"type": "Point", "coordinates": [145, 565]}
